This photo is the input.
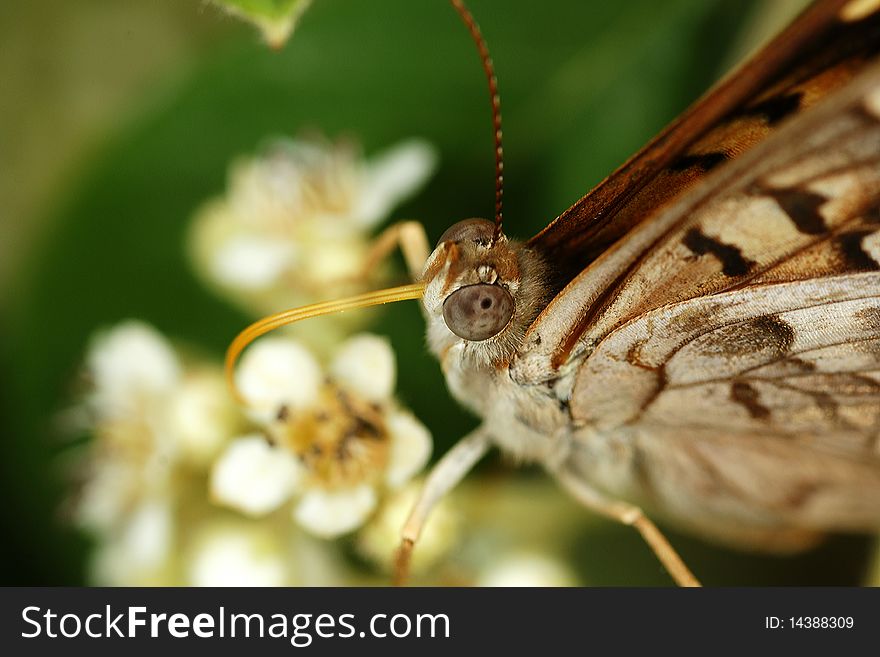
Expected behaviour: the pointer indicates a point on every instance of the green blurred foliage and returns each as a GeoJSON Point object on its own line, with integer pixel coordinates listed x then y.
{"type": "Point", "coordinates": [268, 8]}
{"type": "Point", "coordinates": [583, 85]}
{"type": "Point", "coordinates": [274, 18]}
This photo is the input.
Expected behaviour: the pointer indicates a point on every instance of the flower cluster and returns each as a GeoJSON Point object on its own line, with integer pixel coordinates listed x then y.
{"type": "Point", "coordinates": [171, 452]}
{"type": "Point", "coordinates": [182, 485]}
{"type": "Point", "coordinates": [152, 418]}
{"type": "Point", "coordinates": [295, 222]}
{"type": "Point", "coordinates": [330, 440]}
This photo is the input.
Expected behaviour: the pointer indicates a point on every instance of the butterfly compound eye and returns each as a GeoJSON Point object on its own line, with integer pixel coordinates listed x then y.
{"type": "Point", "coordinates": [475, 230]}
{"type": "Point", "coordinates": [477, 312]}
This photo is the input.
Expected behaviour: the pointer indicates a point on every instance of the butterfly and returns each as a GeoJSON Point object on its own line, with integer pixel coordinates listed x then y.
{"type": "Point", "coordinates": [697, 339]}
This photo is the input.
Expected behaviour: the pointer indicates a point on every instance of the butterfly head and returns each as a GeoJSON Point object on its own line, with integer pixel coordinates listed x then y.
{"type": "Point", "coordinates": [481, 291]}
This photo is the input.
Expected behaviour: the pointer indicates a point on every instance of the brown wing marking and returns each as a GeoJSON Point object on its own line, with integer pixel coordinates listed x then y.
{"type": "Point", "coordinates": [754, 225]}
{"type": "Point", "coordinates": [816, 55]}
{"type": "Point", "coordinates": [746, 412]}
{"type": "Point", "coordinates": [799, 360]}
{"type": "Point", "coordinates": [801, 204]}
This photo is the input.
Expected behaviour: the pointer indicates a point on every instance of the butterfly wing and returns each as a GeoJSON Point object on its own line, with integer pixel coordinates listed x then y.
{"type": "Point", "coordinates": [758, 407]}
{"type": "Point", "coordinates": [785, 220]}
{"type": "Point", "coordinates": [819, 53]}
{"type": "Point", "coordinates": [723, 332]}
{"type": "Point", "coordinates": [738, 344]}
{"type": "Point", "coordinates": [804, 205]}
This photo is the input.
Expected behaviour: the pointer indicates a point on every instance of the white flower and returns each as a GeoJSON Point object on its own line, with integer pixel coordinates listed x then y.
{"type": "Point", "coordinates": [228, 553]}
{"type": "Point", "coordinates": [392, 176]}
{"type": "Point", "coordinates": [130, 366]}
{"type": "Point", "coordinates": [134, 373]}
{"type": "Point", "coordinates": [365, 366]}
{"type": "Point", "coordinates": [276, 372]}
{"type": "Point", "coordinates": [295, 223]}
{"type": "Point", "coordinates": [337, 442]}
{"type": "Point", "coordinates": [156, 426]}
{"type": "Point", "coordinates": [136, 551]}
{"type": "Point", "coordinates": [258, 477]}
{"type": "Point", "coordinates": [527, 569]}
{"type": "Point", "coordinates": [201, 415]}
{"type": "Point", "coordinates": [380, 539]}
{"type": "Point", "coordinates": [330, 513]}
{"type": "Point", "coordinates": [410, 450]}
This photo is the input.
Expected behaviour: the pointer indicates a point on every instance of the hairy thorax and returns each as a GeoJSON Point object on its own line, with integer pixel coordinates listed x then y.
{"type": "Point", "coordinates": [527, 422]}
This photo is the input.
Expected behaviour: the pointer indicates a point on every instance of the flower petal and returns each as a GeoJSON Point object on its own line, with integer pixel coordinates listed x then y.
{"type": "Point", "coordinates": [391, 177]}
{"type": "Point", "coordinates": [329, 514]}
{"type": "Point", "coordinates": [277, 372]}
{"type": "Point", "coordinates": [201, 416]}
{"type": "Point", "coordinates": [410, 448]}
{"type": "Point", "coordinates": [254, 477]}
{"type": "Point", "coordinates": [148, 534]}
{"type": "Point", "coordinates": [364, 364]}
{"type": "Point", "coordinates": [251, 263]}
{"type": "Point", "coordinates": [139, 553]}
{"type": "Point", "coordinates": [129, 364]}
{"type": "Point", "coordinates": [379, 540]}
{"type": "Point", "coordinates": [236, 554]}
{"type": "Point", "coordinates": [265, 191]}
{"type": "Point", "coordinates": [327, 262]}
{"type": "Point", "coordinates": [527, 569]}
{"type": "Point", "coordinates": [101, 502]}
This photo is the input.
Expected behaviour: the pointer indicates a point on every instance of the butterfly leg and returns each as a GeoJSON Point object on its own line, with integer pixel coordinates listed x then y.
{"type": "Point", "coordinates": [629, 514]}
{"type": "Point", "coordinates": [410, 237]}
{"type": "Point", "coordinates": [444, 476]}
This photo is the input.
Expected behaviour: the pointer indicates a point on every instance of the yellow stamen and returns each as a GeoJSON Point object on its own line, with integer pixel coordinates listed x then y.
{"type": "Point", "coordinates": [285, 317]}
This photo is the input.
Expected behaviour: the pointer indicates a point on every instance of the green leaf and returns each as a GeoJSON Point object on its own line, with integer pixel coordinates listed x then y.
{"type": "Point", "coordinates": [274, 18]}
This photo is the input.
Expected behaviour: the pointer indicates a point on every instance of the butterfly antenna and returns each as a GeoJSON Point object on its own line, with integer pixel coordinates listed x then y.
{"type": "Point", "coordinates": [285, 317]}
{"type": "Point", "coordinates": [489, 69]}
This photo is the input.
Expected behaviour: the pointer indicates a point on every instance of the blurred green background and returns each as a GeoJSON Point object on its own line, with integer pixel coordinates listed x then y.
{"type": "Point", "coordinates": [119, 117]}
